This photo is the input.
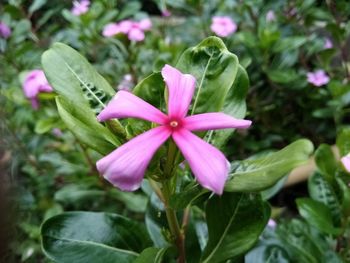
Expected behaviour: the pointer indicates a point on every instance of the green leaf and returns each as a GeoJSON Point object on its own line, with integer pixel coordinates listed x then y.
{"type": "Point", "coordinates": [326, 161]}
{"type": "Point", "coordinates": [235, 222]}
{"type": "Point", "coordinates": [152, 255]}
{"type": "Point", "coordinates": [45, 125]}
{"type": "Point", "coordinates": [36, 5]}
{"type": "Point", "coordinates": [72, 77]}
{"type": "Point", "coordinates": [289, 43]}
{"type": "Point", "coordinates": [264, 171]}
{"type": "Point", "coordinates": [235, 106]}
{"type": "Point", "coordinates": [155, 220]}
{"type": "Point", "coordinates": [84, 126]}
{"type": "Point", "coordinates": [343, 142]}
{"type": "Point", "coordinates": [317, 214]}
{"type": "Point", "coordinates": [215, 69]}
{"type": "Point", "coordinates": [187, 196]}
{"type": "Point", "coordinates": [73, 193]}
{"type": "Point", "coordinates": [93, 237]}
{"type": "Point", "coordinates": [321, 191]}
{"type": "Point", "coordinates": [151, 89]}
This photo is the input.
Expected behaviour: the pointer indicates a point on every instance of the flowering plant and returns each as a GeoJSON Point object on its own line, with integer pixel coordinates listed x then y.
{"type": "Point", "coordinates": [165, 153]}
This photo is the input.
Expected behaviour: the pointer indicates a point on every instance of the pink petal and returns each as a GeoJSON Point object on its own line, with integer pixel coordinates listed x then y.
{"type": "Point", "coordinates": [181, 88]}
{"type": "Point", "coordinates": [111, 29]}
{"type": "Point", "coordinates": [127, 105]}
{"type": "Point", "coordinates": [213, 121]}
{"type": "Point", "coordinates": [136, 34]}
{"type": "Point", "coordinates": [346, 162]}
{"type": "Point", "coordinates": [145, 24]}
{"type": "Point", "coordinates": [208, 164]}
{"type": "Point", "coordinates": [125, 167]}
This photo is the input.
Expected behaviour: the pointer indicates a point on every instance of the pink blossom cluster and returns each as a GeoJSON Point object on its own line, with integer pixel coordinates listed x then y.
{"type": "Point", "coordinates": [223, 26]}
{"type": "Point", "coordinates": [5, 31]}
{"type": "Point", "coordinates": [135, 30]}
{"type": "Point", "coordinates": [80, 7]}
{"type": "Point", "coordinates": [34, 83]}
{"type": "Point", "coordinates": [318, 78]}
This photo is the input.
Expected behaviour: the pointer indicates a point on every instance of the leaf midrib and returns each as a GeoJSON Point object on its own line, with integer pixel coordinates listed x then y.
{"type": "Point", "coordinates": [94, 243]}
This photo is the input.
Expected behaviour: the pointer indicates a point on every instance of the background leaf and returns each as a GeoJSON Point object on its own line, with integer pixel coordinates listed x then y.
{"type": "Point", "coordinates": [93, 237]}
{"type": "Point", "coordinates": [235, 222]}
{"type": "Point", "coordinates": [259, 173]}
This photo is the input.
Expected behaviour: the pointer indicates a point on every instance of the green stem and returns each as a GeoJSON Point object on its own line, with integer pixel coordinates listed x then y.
{"type": "Point", "coordinates": [177, 234]}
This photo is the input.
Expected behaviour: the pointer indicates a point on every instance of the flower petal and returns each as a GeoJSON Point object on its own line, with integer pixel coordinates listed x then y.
{"type": "Point", "coordinates": [346, 162]}
{"type": "Point", "coordinates": [126, 105]}
{"type": "Point", "coordinates": [125, 167]}
{"type": "Point", "coordinates": [208, 164]}
{"type": "Point", "coordinates": [181, 88]}
{"type": "Point", "coordinates": [213, 121]}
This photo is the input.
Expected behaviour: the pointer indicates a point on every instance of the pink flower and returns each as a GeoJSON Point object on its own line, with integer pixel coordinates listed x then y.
{"type": "Point", "coordinates": [5, 31]}
{"type": "Point", "coordinates": [223, 26]}
{"type": "Point", "coordinates": [270, 16]}
{"type": "Point", "coordinates": [272, 223]}
{"type": "Point", "coordinates": [34, 83]}
{"type": "Point", "coordinates": [328, 43]}
{"type": "Point", "coordinates": [133, 29]}
{"type": "Point", "coordinates": [346, 162]}
{"type": "Point", "coordinates": [318, 78]}
{"type": "Point", "coordinates": [125, 167]}
{"type": "Point", "coordinates": [166, 13]}
{"type": "Point", "coordinates": [80, 7]}
{"type": "Point", "coordinates": [111, 29]}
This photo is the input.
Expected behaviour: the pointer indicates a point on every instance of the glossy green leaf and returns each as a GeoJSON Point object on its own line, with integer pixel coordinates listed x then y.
{"type": "Point", "coordinates": [151, 89]}
{"type": "Point", "coordinates": [321, 191]}
{"type": "Point", "coordinates": [187, 196]}
{"type": "Point", "coordinates": [235, 222]}
{"type": "Point", "coordinates": [235, 106]}
{"type": "Point", "coordinates": [215, 69]}
{"type": "Point", "coordinates": [343, 142]}
{"type": "Point", "coordinates": [93, 237]}
{"type": "Point", "coordinates": [74, 193]}
{"type": "Point", "coordinates": [151, 255]}
{"type": "Point", "coordinates": [82, 122]}
{"type": "Point", "coordinates": [264, 171]}
{"type": "Point", "coordinates": [72, 77]}
{"type": "Point", "coordinates": [317, 214]}
{"type": "Point", "coordinates": [326, 161]}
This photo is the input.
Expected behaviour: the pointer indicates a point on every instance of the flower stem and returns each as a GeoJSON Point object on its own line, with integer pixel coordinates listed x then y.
{"type": "Point", "coordinates": [177, 234]}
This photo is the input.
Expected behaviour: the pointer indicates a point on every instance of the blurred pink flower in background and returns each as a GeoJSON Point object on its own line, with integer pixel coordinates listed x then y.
{"type": "Point", "coordinates": [57, 132]}
{"type": "Point", "coordinates": [270, 16]}
{"type": "Point", "coordinates": [223, 26]}
{"type": "Point", "coordinates": [34, 83]}
{"type": "Point", "coordinates": [125, 167]}
{"type": "Point", "coordinates": [5, 31]}
{"type": "Point", "coordinates": [272, 223]}
{"type": "Point", "coordinates": [166, 13]}
{"type": "Point", "coordinates": [133, 29]}
{"type": "Point", "coordinates": [126, 83]}
{"type": "Point", "coordinates": [80, 7]}
{"type": "Point", "coordinates": [328, 43]}
{"type": "Point", "coordinates": [346, 162]}
{"type": "Point", "coordinates": [317, 78]}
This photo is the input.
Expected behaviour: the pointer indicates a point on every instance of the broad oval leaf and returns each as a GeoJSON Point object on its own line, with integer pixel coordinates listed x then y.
{"type": "Point", "coordinates": [326, 161]}
{"type": "Point", "coordinates": [83, 124]}
{"type": "Point", "coordinates": [262, 172]}
{"type": "Point", "coordinates": [93, 237]}
{"type": "Point", "coordinates": [215, 69]}
{"type": "Point", "coordinates": [235, 222]}
{"type": "Point", "coordinates": [317, 215]}
{"type": "Point", "coordinates": [321, 191]}
{"type": "Point", "coordinates": [72, 77]}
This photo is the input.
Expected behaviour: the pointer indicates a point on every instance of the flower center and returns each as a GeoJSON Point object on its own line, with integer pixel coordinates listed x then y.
{"type": "Point", "coordinates": [174, 124]}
